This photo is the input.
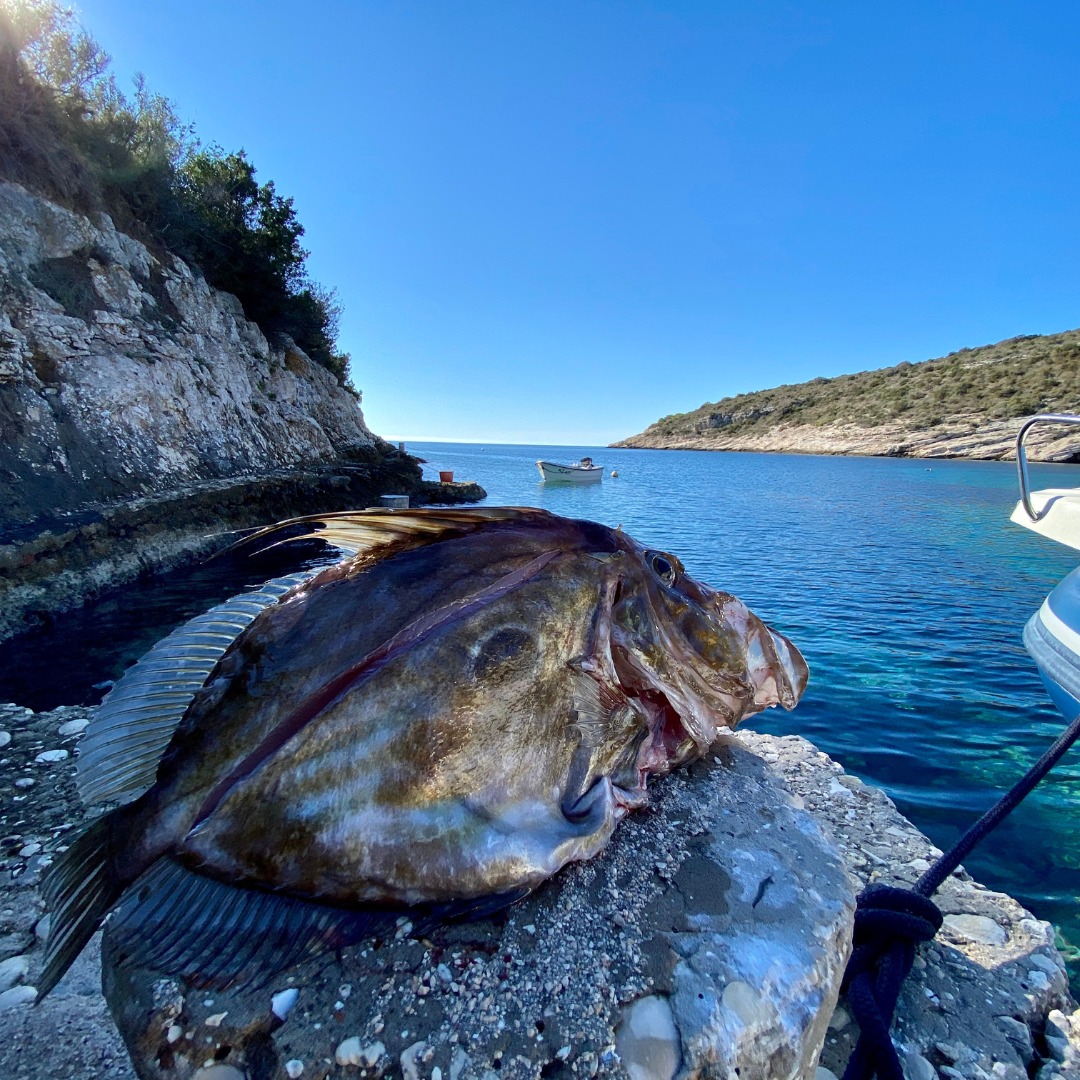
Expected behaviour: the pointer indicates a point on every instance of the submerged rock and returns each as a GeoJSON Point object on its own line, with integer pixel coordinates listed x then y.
{"type": "Point", "coordinates": [710, 936]}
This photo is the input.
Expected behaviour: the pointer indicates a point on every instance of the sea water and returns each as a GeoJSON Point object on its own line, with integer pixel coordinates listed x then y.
{"type": "Point", "coordinates": [902, 581]}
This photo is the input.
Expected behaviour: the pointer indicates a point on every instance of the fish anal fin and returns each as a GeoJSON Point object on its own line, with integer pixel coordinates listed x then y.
{"type": "Point", "coordinates": [216, 936]}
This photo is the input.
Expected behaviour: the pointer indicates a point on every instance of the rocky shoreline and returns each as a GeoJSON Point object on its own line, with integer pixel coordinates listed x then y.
{"type": "Point", "coordinates": [965, 436]}
{"type": "Point", "coordinates": [65, 559]}
{"type": "Point", "coordinates": [987, 999]}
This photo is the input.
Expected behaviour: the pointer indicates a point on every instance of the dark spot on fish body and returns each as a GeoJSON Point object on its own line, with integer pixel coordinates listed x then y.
{"type": "Point", "coordinates": [499, 650]}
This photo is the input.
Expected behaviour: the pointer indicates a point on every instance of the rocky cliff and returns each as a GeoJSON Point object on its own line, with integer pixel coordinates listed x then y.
{"type": "Point", "coordinates": [122, 373]}
{"type": "Point", "coordinates": [968, 404]}
{"type": "Point", "coordinates": [143, 416]}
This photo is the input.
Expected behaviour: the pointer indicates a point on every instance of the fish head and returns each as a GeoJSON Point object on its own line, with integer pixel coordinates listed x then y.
{"type": "Point", "coordinates": [693, 659]}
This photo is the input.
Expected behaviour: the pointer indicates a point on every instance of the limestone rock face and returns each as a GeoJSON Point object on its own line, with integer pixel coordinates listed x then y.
{"type": "Point", "coordinates": [709, 939]}
{"type": "Point", "coordinates": [124, 374]}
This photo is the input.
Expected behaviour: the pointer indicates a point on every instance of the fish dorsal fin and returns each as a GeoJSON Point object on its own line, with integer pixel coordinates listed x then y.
{"type": "Point", "coordinates": [368, 532]}
{"type": "Point", "coordinates": [118, 757]}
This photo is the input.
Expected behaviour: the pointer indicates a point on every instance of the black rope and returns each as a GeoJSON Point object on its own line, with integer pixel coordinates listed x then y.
{"type": "Point", "coordinates": [890, 922]}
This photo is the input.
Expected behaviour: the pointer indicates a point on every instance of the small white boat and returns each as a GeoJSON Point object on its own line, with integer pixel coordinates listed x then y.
{"type": "Point", "coordinates": [582, 472]}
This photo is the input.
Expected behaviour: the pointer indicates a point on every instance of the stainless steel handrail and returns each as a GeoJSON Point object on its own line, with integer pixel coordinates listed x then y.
{"type": "Point", "coordinates": [1021, 458]}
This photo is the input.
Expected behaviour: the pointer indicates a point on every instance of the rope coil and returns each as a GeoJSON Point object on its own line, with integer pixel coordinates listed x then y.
{"type": "Point", "coordinates": [890, 922]}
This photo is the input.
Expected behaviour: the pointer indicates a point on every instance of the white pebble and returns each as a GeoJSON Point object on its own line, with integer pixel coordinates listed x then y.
{"type": "Point", "coordinates": [174, 1033]}
{"type": "Point", "coordinates": [562, 1053]}
{"type": "Point", "coordinates": [371, 1053]}
{"type": "Point", "coordinates": [29, 850]}
{"type": "Point", "coordinates": [403, 931]}
{"type": "Point", "coordinates": [47, 757]}
{"type": "Point", "coordinates": [436, 1073]}
{"type": "Point", "coordinates": [348, 1051]}
{"type": "Point", "coordinates": [17, 995]}
{"type": "Point", "coordinates": [282, 1004]}
{"type": "Point", "coordinates": [5, 738]}
{"type": "Point", "coordinates": [409, 1068]}
{"type": "Point", "coordinates": [41, 931]}
{"type": "Point", "coordinates": [294, 1068]}
{"type": "Point", "coordinates": [73, 727]}
{"type": "Point", "coordinates": [338, 1006]}
{"type": "Point", "coordinates": [530, 929]}
{"type": "Point", "coordinates": [215, 1020]}
{"type": "Point", "coordinates": [12, 970]}
{"type": "Point", "coordinates": [212, 1071]}
{"type": "Point", "coordinates": [444, 974]}
{"type": "Point", "coordinates": [460, 1060]}
{"type": "Point", "coordinates": [345, 989]}
{"type": "Point", "coordinates": [24, 781]}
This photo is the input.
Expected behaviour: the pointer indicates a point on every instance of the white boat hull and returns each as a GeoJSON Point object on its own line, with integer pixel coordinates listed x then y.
{"type": "Point", "coordinates": [570, 474]}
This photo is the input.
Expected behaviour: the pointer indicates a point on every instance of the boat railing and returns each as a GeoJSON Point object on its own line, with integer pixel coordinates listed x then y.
{"type": "Point", "coordinates": [1021, 457]}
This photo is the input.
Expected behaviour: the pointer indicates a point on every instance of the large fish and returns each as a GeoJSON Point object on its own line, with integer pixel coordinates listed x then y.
{"type": "Point", "coordinates": [435, 724]}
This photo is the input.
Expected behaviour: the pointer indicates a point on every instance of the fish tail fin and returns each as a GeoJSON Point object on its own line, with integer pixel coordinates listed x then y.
{"type": "Point", "coordinates": [79, 891]}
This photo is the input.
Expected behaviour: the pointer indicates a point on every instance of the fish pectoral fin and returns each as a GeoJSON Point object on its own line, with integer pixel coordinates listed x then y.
{"type": "Point", "coordinates": [131, 728]}
{"type": "Point", "coordinates": [594, 703]}
{"type": "Point", "coordinates": [216, 935]}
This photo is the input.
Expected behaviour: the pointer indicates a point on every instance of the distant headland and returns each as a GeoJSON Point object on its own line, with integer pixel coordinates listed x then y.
{"type": "Point", "coordinates": [969, 404]}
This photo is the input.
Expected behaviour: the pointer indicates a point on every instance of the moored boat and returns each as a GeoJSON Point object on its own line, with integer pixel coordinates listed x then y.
{"type": "Point", "coordinates": [582, 472]}
{"type": "Point", "coordinates": [1052, 635]}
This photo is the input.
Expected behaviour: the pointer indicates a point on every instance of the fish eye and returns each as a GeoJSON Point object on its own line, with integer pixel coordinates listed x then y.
{"type": "Point", "coordinates": [662, 567]}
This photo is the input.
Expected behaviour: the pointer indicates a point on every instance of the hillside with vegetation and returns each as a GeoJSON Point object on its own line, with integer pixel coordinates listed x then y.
{"type": "Point", "coordinates": [967, 404]}
{"type": "Point", "coordinates": [70, 134]}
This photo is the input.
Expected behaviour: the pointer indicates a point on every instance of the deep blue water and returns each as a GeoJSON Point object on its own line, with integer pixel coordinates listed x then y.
{"type": "Point", "coordinates": [903, 583]}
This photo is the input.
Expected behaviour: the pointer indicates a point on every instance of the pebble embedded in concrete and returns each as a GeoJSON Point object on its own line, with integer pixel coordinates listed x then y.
{"type": "Point", "coordinates": [647, 1041]}
{"type": "Point", "coordinates": [977, 929]}
{"type": "Point", "coordinates": [219, 1072]}
{"type": "Point", "coordinates": [410, 1060]}
{"type": "Point", "coordinates": [348, 1051]}
{"type": "Point", "coordinates": [12, 970]}
{"type": "Point", "coordinates": [17, 995]}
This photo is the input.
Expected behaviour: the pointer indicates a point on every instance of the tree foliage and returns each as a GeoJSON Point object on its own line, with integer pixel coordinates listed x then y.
{"type": "Point", "coordinates": [69, 131]}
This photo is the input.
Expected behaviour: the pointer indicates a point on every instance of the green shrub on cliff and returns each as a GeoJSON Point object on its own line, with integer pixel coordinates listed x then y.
{"type": "Point", "coordinates": [70, 133]}
{"type": "Point", "coordinates": [1016, 377]}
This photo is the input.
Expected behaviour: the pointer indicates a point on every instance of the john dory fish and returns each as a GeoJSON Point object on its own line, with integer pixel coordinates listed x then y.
{"type": "Point", "coordinates": [470, 700]}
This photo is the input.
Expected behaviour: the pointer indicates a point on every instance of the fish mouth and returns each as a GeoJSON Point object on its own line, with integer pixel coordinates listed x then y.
{"type": "Point", "coordinates": [663, 744]}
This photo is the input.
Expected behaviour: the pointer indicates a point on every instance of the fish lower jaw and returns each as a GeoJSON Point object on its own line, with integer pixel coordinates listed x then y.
{"type": "Point", "coordinates": [627, 799]}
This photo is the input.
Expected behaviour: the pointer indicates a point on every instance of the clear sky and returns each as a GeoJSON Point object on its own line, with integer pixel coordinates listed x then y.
{"type": "Point", "coordinates": [557, 221]}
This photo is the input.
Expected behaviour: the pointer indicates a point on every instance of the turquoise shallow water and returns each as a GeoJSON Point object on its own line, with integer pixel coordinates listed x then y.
{"type": "Point", "coordinates": [906, 587]}
{"type": "Point", "coordinates": [903, 583]}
